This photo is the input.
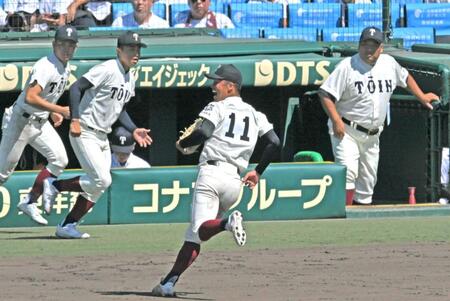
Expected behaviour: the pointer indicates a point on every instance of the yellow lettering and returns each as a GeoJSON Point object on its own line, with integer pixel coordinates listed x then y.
{"type": "Point", "coordinates": [146, 82]}
{"type": "Point", "coordinates": [6, 201]}
{"type": "Point", "coordinates": [322, 71]}
{"type": "Point", "coordinates": [263, 73]}
{"type": "Point", "coordinates": [26, 70]}
{"type": "Point", "coordinates": [9, 77]}
{"type": "Point", "coordinates": [304, 80]}
{"type": "Point", "coordinates": [288, 69]}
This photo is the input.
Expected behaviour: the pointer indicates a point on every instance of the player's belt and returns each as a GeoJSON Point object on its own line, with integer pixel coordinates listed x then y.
{"type": "Point", "coordinates": [29, 116]}
{"type": "Point", "coordinates": [95, 130]}
{"type": "Point", "coordinates": [360, 128]}
{"type": "Point", "coordinates": [218, 163]}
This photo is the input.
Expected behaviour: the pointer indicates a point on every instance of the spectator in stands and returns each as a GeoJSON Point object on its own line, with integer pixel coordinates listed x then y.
{"type": "Point", "coordinates": [122, 146]}
{"type": "Point", "coordinates": [141, 16]}
{"type": "Point", "coordinates": [85, 13]}
{"type": "Point", "coordinates": [52, 14]}
{"type": "Point", "coordinates": [21, 14]}
{"type": "Point", "coordinates": [199, 15]}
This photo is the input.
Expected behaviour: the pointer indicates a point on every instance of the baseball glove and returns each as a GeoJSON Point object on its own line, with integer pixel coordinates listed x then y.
{"type": "Point", "coordinates": [186, 133]}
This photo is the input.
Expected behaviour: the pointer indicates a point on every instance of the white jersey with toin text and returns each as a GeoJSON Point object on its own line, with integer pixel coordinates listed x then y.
{"type": "Point", "coordinates": [362, 93]}
{"type": "Point", "coordinates": [100, 107]}
{"type": "Point", "coordinates": [112, 88]}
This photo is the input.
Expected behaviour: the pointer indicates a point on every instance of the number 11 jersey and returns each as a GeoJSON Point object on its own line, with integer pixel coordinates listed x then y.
{"type": "Point", "coordinates": [237, 128]}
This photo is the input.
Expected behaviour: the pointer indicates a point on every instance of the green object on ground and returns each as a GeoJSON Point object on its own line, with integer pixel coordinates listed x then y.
{"type": "Point", "coordinates": [308, 156]}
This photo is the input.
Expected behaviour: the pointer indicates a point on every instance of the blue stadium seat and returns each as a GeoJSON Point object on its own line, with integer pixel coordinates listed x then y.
{"type": "Point", "coordinates": [347, 34]}
{"type": "Point", "coordinates": [315, 15]}
{"type": "Point", "coordinates": [325, 1]}
{"type": "Point", "coordinates": [256, 14]}
{"type": "Point", "coordinates": [307, 34]}
{"type": "Point", "coordinates": [415, 35]}
{"type": "Point", "coordinates": [363, 15]}
{"type": "Point", "coordinates": [436, 15]}
{"type": "Point", "coordinates": [174, 9]}
{"type": "Point", "coordinates": [397, 13]}
{"type": "Point", "coordinates": [403, 2]}
{"type": "Point", "coordinates": [241, 33]}
{"type": "Point", "coordinates": [125, 8]}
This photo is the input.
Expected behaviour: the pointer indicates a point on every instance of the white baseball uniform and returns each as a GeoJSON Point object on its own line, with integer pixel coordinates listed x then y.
{"type": "Point", "coordinates": [362, 94]}
{"type": "Point", "coordinates": [132, 162]}
{"type": "Point", "coordinates": [100, 107]}
{"type": "Point", "coordinates": [129, 21]}
{"type": "Point", "coordinates": [25, 124]}
{"type": "Point", "coordinates": [224, 156]}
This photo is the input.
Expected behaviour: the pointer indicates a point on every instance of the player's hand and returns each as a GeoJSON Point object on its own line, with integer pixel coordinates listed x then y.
{"type": "Point", "coordinates": [75, 128]}
{"type": "Point", "coordinates": [339, 129]}
{"type": "Point", "coordinates": [427, 99]}
{"type": "Point", "coordinates": [142, 137]}
{"type": "Point", "coordinates": [65, 111]}
{"type": "Point", "coordinates": [57, 119]}
{"type": "Point", "coordinates": [251, 179]}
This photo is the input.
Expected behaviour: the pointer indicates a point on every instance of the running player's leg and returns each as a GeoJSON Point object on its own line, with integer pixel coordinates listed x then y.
{"type": "Point", "coordinates": [48, 144]}
{"type": "Point", "coordinates": [94, 157]}
{"type": "Point", "coordinates": [16, 132]}
{"type": "Point", "coordinates": [205, 207]}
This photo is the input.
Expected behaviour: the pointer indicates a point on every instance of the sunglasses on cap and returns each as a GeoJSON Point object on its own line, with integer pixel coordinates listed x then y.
{"type": "Point", "coordinates": [195, 1]}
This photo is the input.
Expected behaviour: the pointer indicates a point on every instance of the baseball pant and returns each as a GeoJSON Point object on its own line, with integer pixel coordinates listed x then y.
{"type": "Point", "coordinates": [18, 131]}
{"type": "Point", "coordinates": [359, 152]}
{"type": "Point", "coordinates": [94, 154]}
{"type": "Point", "coordinates": [216, 190]}
{"type": "Point", "coordinates": [444, 166]}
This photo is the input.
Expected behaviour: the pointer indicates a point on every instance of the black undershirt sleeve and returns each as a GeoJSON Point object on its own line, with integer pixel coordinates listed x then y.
{"type": "Point", "coordinates": [76, 93]}
{"type": "Point", "coordinates": [200, 135]}
{"type": "Point", "coordinates": [126, 121]}
{"type": "Point", "coordinates": [322, 93]}
{"type": "Point", "coordinates": [272, 143]}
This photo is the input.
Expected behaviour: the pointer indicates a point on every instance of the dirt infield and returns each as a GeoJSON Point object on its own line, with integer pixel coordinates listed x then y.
{"type": "Point", "coordinates": [377, 272]}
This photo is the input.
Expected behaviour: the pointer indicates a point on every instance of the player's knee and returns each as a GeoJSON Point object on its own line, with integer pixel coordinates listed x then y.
{"type": "Point", "coordinates": [62, 161]}
{"type": "Point", "coordinates": [104, 182]}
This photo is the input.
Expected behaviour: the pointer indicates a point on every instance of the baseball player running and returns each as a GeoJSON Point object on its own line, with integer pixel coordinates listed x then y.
{"type": "Point", "coordinates": [356, 98]}
{"type": "Point", "coordinates": [97, 100]}
{"type": "Point", "coordinates": [229, 131]}
{"type": "Point", "coordinates": [26, 122]}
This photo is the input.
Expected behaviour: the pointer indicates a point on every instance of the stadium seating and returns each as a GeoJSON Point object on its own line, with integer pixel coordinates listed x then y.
{"type": "Point", "coordinates": [315, 15]}
{"type": "Point", "coordinates": [411, 35]}
{"type": "Point", "coordinates": [124, 8]}
{"type": "Point", "coordinates": [347, 34]}
{"type": "Point", "coordinates": [309, 34]}
{"type": "Point", "coordinates": [397, 15]}
{"type": "Point", "coordinates": [242, 33]}
{"type": "Point", "coordinates": [363, 15]}
{"type": "Point", "coordinates": [256, 14]}
{"type": "Point", "coordinates": [434, 15]}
